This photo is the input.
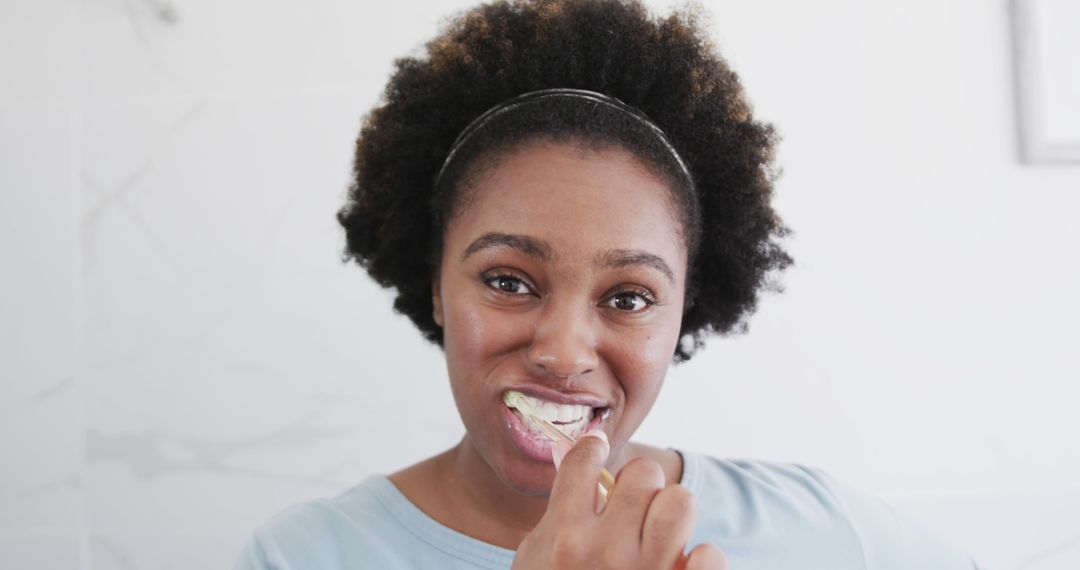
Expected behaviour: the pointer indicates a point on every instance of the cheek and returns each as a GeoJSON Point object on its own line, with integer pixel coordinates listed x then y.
{"type": "Point", "coordinates": [642, 363]}
{"type": "Point", "coordinates": [473, 333]}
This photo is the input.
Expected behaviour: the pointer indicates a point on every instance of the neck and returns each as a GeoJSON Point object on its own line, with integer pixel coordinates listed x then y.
{"type": "Point", "coordinates": [506, 514]}
{"type": "Point", "coordinates": [459, 490]}
{"type": "Point", "coordinates": [484, 506]}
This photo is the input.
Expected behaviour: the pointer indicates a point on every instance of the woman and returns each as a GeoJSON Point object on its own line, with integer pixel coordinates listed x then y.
{"type": "Point", "coordinates": [568, 195]}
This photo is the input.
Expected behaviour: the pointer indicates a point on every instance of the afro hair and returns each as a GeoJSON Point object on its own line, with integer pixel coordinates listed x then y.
{"type": "Point", "coordinates": [665, 67]}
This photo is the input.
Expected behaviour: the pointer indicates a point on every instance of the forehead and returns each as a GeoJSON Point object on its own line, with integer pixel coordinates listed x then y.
{"type": "Point", "coordinates": [577, 198]}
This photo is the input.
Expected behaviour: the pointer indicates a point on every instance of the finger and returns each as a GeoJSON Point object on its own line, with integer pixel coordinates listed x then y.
{"type": "Point", "coordinates": [706, 557]}
{"type": "Point", "coordinates": [669, 524]}
{"type": "Point", "coordinates": [558, 451]}
{"type": "Point", "coordinates": [575, 487]}
{"type": "Point", "coordinates": [635, 486]}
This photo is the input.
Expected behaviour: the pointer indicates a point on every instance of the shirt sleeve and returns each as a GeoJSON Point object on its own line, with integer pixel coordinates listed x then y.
{"type": "Point", "coordinates": [890, 539]}
{"type": "Point", "coordinates": [253, 557]}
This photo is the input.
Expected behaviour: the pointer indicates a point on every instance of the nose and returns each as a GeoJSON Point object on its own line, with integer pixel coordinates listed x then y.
{"type": "Point", "coordinates": [564, 341]}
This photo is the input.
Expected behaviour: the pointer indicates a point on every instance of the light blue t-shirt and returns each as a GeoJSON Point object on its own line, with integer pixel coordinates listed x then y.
{"type": "Point", "coordinates": [764, 516]}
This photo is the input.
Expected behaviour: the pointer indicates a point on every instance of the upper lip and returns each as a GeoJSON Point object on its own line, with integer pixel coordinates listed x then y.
{"type": "Point", "coordinates": [551, 395]}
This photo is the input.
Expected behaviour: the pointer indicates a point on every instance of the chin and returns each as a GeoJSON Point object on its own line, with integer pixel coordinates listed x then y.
{"type": "Point", "coordinates": [529, 481]}
{"type": "Point", "coordinates": [523, 475]}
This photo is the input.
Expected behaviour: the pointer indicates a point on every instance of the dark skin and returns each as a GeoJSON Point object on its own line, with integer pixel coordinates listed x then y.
{"type": "Point", "coordinates": [566, 269]}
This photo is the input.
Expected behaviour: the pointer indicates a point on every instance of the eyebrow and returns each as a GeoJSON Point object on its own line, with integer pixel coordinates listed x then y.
{"type": "Point", "coordinates": [540, 249]}
{"type": "Point", "coordinates": [616, 258]}
{"type": "Point", "coordinates": [527, 245]}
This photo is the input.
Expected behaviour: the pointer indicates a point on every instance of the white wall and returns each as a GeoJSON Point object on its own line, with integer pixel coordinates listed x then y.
{"type": "Point", "coordinates": [182, 353]}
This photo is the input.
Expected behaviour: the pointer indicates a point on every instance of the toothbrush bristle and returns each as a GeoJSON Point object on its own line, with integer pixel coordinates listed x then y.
{"type": "Point", "coordinates": [515, 399]}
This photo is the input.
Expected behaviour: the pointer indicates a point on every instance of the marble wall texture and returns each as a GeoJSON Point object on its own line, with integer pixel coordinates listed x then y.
{"type": "Point", "coordinates": [182, 352]}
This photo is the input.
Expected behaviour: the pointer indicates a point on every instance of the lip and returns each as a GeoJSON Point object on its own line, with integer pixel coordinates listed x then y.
{"type": "Point", "coordinates": [551, 395]}
{"type": "Point", "coordinates": [532, 444]}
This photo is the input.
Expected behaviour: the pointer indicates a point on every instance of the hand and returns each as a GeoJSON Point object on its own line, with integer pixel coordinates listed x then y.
{"type": "Point", "coordinates": [644, 524]}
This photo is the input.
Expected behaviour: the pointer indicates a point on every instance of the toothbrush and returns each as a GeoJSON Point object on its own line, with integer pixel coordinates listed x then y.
{"type": "Point", "coordinates": [533, 417]}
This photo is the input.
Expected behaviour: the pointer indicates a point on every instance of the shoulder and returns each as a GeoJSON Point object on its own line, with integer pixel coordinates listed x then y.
{"type": "Point", "coordinates": [760, 508]}
{"type": "Point", "coordinates": [741, 495]}
{"type": "Point", "coordinates": [322, 533]}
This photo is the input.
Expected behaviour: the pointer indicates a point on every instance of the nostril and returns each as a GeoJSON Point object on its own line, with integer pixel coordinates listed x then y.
{"type": "Point", "coordinates": [562, 353]}
{"type": "Point", "coordinates": [563, 374]}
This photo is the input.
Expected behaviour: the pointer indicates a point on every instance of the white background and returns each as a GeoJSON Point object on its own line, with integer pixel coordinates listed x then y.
{"type": "Point", "coordinates": [182, 353]}
{"type": "Point", "coordinates": [1056, 50]}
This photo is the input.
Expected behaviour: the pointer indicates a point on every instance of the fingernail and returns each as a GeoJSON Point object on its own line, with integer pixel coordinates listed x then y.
{"type": "Point", "coordinates": [558, 451]}
{"type": "Point", "coordinates": [596, 432]}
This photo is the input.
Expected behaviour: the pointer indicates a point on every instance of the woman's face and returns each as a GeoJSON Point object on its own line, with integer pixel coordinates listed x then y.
{"type": "Point", "coordinates": [562, 277]}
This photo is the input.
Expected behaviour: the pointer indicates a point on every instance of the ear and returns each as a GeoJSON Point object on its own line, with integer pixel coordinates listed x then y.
{"type": "Point", "coordinates": [436, 302]}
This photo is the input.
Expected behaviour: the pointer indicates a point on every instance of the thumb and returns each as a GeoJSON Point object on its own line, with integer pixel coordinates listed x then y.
{"type": "Point", "coordinates": [575, 486]}
{"type": "Point", "coordinates": [706, 556]}
{"type": "Point", "coordinates": [558, 451]}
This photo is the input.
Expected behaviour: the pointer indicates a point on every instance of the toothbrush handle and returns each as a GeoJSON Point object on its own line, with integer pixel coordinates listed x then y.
{"type": "Point", "coordinates": [607, 480]}
{"type": "Point", "coordinates": [606, 483]}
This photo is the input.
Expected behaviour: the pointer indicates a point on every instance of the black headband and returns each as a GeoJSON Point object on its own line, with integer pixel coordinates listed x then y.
{"type": "Point", "coordinates": [542, 94]}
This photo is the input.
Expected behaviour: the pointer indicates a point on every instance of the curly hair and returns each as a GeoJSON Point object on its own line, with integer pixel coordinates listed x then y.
{"type": "Point", "coordinates": [395, 214]}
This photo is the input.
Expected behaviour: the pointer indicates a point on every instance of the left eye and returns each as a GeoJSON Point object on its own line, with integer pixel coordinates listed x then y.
{"type": "Point", "coordinates": [629, 301]}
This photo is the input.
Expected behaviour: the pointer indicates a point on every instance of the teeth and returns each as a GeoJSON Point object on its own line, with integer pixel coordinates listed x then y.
{"type": "Point", "coordinates": [570, 415]}
{"type": "Point", "coordinates": [562, 413]}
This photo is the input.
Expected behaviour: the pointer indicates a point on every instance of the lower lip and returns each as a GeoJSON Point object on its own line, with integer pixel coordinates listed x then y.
{"type": "Point", "coordinates": [534, 445]}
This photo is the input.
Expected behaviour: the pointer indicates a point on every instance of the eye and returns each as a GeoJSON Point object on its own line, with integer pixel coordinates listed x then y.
{"type": "Point", "coordinates": [630, 301]}
{"type": "Point", "coordinates": [508, 284]}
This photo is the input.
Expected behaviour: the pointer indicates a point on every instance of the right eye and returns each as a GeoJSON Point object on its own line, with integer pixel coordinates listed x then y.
{"type": "Point", "coordinates": [508, 284]}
